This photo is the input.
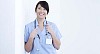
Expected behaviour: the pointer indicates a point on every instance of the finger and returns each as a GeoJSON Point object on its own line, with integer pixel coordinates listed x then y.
{"type": "Point", "coordinates": [37, 28]}
{"type": "Point", "coordinates": [46, 29]}
{"type": "Point", "coordinates": [47, 24]}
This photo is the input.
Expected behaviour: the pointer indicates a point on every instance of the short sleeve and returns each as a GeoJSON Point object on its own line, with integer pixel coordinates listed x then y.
{"type": "Point", "coordinates": [57, 32]}
{"type": "Point", "coordinates": [26, 34]}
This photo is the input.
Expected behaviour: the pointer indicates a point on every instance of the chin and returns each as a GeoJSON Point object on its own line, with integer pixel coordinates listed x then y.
{"type": "Point", "coordinates": [41, 17]}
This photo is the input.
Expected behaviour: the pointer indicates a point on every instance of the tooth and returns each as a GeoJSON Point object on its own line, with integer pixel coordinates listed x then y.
{"type": "Point", "coordinates": [41, 14]}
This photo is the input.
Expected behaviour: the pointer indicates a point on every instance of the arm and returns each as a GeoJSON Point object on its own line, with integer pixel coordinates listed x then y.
{"type": "Point", "coordinates": [56, 41]}
{"type": "Point", "coordinates": [28, 46]}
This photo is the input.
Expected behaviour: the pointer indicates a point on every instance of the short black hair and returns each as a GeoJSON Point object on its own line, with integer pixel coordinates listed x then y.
{"type": "Point", "coordinates": [44, 4]}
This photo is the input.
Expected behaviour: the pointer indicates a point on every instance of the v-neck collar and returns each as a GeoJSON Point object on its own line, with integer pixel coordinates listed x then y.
{"type": "Point", "coordinates": [36, 24]}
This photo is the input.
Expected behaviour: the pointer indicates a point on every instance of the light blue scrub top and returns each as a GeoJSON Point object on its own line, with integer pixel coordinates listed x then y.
{"type": "Point", "coordinates": [40, 46]}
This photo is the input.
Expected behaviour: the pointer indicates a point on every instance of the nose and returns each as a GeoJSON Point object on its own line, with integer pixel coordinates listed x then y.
{"type": "Point", "coordinates": [42, 10]}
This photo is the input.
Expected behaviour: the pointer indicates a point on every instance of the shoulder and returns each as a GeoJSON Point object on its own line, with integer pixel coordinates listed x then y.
{"type": "Point", "coordinates": [30, 24]}
{"type": "Point", "coordinates": [53, 25]}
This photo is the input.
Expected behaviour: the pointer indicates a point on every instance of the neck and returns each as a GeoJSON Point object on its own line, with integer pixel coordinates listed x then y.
{"type": "Point", "coordinates": [40, 21]}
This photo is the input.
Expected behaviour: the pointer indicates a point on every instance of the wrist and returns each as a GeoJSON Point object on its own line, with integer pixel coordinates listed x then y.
{"type": "Point", "coordinates": [32, 36]}
{"type": "Point", "coordinates": [52, 34]}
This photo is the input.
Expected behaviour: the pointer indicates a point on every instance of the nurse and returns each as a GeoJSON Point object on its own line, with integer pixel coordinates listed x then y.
{"type": "Point", "coordinates": [41, 36]}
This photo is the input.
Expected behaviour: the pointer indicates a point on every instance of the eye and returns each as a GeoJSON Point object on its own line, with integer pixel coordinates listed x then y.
{"type": "Point", "coordinates": [44, 9]}
{"type": "Point", "coordinates": [39, 8]}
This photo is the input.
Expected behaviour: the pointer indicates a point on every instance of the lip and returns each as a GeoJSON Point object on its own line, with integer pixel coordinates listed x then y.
{"type": "Point", "coordinates": [41, 14]}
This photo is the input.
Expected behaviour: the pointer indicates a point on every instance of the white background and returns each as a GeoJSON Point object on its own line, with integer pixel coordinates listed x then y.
{"type": "Point", "coordinates": [7, 27]}
{"type": "Point", "coordinates": [77, 20]}
{"type": "Point", "coordinates": [80, 27]}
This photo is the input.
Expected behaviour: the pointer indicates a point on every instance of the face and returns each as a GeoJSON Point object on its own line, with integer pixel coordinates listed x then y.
{"type": "Point", "coordinates": [41, 12]}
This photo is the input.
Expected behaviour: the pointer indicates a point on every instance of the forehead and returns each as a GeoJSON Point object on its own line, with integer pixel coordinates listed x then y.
{"type": "Point", "coordinates": [39, 6]}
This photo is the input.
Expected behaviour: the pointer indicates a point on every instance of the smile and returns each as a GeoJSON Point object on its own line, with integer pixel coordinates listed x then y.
{"type": "Point", "coordinates": [41, 14]}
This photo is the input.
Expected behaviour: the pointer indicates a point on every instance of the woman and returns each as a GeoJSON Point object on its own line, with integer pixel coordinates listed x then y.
{"type": "Point", "coordinates": [41, 36]}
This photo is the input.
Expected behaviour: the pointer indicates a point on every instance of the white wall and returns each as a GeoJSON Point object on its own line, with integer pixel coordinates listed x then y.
{"type": "Point", "coordinates": [7, 27]}
{"type": "Point", "coordinates": [80, 26]}
{"type": "Point", "coordinates": [19, 27]}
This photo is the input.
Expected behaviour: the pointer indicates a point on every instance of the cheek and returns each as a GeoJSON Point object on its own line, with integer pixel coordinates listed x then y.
{"type": "Point", "coordinates": [46, 12]}
{"type": "Point", "coordinates": [37, 11]}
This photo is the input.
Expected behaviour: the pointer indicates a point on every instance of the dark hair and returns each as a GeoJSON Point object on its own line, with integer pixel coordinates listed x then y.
{"type": "Point", "coordinates": [44, 4]}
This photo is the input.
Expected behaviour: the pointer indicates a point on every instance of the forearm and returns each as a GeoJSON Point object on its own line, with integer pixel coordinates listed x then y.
{"type": "Point", "coordinates": [56, 41]}
{"type": "Point", "coordinates": [29, 44]}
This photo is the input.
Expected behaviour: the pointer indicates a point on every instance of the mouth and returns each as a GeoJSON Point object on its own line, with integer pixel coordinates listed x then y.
{"type": "Point", "coordinates": [41, 14]}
